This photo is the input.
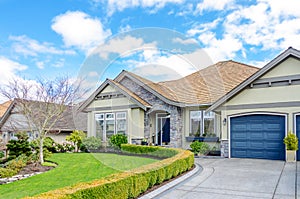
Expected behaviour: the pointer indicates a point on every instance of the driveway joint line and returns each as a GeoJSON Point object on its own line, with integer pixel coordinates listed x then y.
{"type": "Point", "coordinates": [278, 181]}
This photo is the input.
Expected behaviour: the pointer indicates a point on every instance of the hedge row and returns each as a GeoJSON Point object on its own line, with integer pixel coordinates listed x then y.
{"type": "Point", "coordinates": [149, 150]}
{"type": "Point", "coordinates": [128, 184]}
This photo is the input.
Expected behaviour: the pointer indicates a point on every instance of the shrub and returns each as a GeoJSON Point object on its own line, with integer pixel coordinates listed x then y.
{"type": "Point", "coordinates": [199, 147]}
{"type": "Point", "coordinates": [291, 141]}
{"type": "Point", "coordinates": [117, 140]}
{"type": "Point", "coordinates": [128, 184]}
{"type": "Point", "coordinates": [13, 167]}
{"type": "Point", "coordinates": [1, 154]}
{"type": "Point", "coordinates": [19, 146]}
{"type": "Point", "coordinates": [6, 173]}
{"type": "Point", "coordinates": [76, 138]}
{"type": "Point", "coordinates": [91, 143]}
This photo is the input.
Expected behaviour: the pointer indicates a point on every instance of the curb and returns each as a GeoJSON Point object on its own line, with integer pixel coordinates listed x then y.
{"type": "Point", "coordinates": [172, 184]}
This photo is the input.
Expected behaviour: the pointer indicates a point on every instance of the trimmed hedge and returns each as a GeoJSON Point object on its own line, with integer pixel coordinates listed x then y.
{"type": "Point", "coordinates": [128, 184]}
{"type": "Point", "coordinates": [149, 150]}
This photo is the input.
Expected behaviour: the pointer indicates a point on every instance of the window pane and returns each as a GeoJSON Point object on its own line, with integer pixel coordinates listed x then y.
{"type": "Point", "coordinates": [99, 126]}
{"type": "Point", "coordinates": [121, 126]}
{"type": "Point", "coordinates": [110, 128]}
{"type": "Point", "coordinates": [121, 115]}
{"type": "Point", "coordinates": [109, 116]}
{"type": "Point", "coordinates": [195, 123]}
{"type": "Point", "coordinates": [209, 124]}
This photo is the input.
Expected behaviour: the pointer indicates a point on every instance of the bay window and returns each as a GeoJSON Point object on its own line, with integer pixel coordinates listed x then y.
{"type": "Point", "coordinates": [108, 124]}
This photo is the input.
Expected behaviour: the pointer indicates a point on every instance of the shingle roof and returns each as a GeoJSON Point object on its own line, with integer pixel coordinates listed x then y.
{"type": "Point", "coordinates": [204, 86]}
{"type": "Point", "coordinates": [4, 107]}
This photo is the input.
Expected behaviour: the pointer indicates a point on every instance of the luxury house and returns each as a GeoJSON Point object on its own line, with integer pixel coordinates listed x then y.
{"type": "Point", "coordinates": [171, 113]}
{"type": "Point", "coordinates": [13, 121]}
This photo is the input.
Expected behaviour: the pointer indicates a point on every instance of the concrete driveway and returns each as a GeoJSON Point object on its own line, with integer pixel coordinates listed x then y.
{"type": "Point", "coordinates": [239, 178]}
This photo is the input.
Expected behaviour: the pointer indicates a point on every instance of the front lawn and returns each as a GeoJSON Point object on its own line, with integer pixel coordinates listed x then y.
{"type": "Point", "coordinates": [72, 168]}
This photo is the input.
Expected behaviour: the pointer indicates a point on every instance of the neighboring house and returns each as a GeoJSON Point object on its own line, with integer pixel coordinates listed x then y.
{"type": "Point", "coordinates": [258, 113]}
{"type": "Point", "coordinates": [13, 122]}
{"type": "Point", "coordinates": [169, 113]}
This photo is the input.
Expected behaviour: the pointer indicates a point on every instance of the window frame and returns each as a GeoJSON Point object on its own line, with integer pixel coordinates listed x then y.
{"type": "Point", "coordinates": [202, 116]}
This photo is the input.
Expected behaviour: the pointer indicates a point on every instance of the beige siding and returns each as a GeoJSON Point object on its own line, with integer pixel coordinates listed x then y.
{"type": "Point", "coordinates": [111, 102]}
{"type": "Point", "coordinates": [290, 66]}
{"type": "Point", "coordinates": [109, 89]}
{"type": "Point", "coordinates": [267, 95]}
{"type": "Point", "coordinates": [136, 123]}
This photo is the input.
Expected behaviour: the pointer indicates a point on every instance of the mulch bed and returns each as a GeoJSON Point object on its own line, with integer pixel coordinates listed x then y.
{"type": "Point", "coordinates": [33, 168]}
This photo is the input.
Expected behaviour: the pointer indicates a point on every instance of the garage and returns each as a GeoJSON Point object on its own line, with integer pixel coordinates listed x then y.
{"type": "Point", "coordinates": [257, 136]}
{"type": "Point", "coordinates": [298, 134]}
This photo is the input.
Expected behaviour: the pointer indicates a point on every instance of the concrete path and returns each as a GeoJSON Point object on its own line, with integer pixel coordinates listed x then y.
{"type": "Point", "coordinates": [238, 178]}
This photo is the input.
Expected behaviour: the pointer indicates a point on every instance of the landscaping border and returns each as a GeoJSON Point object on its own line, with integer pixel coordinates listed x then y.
{"type": "Point", "coordinates": [129, 184]}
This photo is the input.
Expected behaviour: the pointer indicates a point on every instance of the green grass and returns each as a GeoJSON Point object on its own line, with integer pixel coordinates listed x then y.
{"type": "Point", "coordinates": [72, 168]}
{"type": "Point", "coordinates": [122, 162]}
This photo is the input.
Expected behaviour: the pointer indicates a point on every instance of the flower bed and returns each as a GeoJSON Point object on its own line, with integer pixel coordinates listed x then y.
{"type": "Point", "coordinates": [132, 183]}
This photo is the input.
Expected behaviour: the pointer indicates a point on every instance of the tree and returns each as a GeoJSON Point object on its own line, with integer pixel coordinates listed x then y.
{"type": "Point", "coordinates": [76, 137]}
{"type": "Point", "coordinates": [42, 103]}
{"type": "Point", "coordinates": [19, 146]}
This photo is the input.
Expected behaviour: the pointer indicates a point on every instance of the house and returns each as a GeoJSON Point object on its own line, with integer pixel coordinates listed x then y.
{"type": "Point", "coordinates": [13, 121]}
{"type": "Point", "coordinates": [171, 113]}
{"type": "Point", "coordinates": [259, 112]}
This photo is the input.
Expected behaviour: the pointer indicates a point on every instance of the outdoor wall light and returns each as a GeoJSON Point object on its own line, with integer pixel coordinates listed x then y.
{"type": "Point", "coordinates": [224, 121]}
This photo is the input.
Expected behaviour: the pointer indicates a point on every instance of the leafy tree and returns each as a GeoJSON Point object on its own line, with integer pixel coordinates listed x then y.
{"type": "Point", "coordinates": [19, 146]}
{"type": "Point", "coordinates": [42, 103]}
{"type": "Point", "coordinates": [76, 138]}
{"type": "Point", "coordinates": [92, 143]}
{"type": "Point", "coordinates": [118, 139]}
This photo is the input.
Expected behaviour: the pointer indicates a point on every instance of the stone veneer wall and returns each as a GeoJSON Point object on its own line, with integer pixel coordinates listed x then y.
{"type": "Point", "coordinates": [224, 148]}
{"type": "Point", "coordinates": [176, 113]}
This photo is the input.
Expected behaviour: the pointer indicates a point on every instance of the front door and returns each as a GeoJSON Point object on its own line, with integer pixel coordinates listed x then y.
{"type": "Point", "coordinates": [162, 128]}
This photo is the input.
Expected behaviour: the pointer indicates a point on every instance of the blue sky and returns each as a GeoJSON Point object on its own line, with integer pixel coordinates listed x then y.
{"type": "Point", "coordinates": [158, 39]}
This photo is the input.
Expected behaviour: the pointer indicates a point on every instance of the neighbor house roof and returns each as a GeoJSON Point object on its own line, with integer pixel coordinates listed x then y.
{"type": "Point", "coordinates": [280, 58]}
{"type": "Point", "coordinates": [200, 88]}
{"type": "Point", "coordinates": [4, 107]}
{"type": "Point", "coordinates": [71, 120]}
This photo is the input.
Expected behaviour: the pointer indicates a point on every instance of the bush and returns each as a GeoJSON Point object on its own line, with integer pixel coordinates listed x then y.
{"type": "Point", "coordinates": [291, 141]}
{"type": "Point", "coordinates": [76, 138]}
{"type": "Point", "coordinates": [117, 140]}
{"type": "Point", "coordinates": [19, 146]}
{"type": "Point", "coordinates": [13, 166]}
{"type": "Point", "coordinates": [1, 154]}
{"type": "Point", "coordinates": [199, 147]}
{"type": "Point", "coordinates": [91, 143]}
{"type": "Point", "coordinates": [128, 184]}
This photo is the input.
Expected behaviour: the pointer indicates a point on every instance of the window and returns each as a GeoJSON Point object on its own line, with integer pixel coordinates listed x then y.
{"type": "Point", "coordinates": [209, 123]}
{"type": "Point", "coordinates": [202, 123]}
{"type": "Point", "coordinates": [108, 124]}
{"type": "Point", "coordinates": [195, 123]}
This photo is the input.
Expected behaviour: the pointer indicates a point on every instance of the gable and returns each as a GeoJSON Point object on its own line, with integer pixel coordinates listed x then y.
{"type": "Point", "coordinates": [279, 85]}
{"type": "Point", "coordinates": [288, 67]}
{"type": "Point", "coordinates": [108, 89]}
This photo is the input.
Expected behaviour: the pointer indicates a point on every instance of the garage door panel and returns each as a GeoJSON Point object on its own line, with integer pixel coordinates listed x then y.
{"type": "Point", "coordinates": [262, 138]}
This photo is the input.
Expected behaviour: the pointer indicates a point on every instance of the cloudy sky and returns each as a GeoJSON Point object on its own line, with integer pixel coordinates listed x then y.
{"type": "Point", "coordinates": [159, 39]}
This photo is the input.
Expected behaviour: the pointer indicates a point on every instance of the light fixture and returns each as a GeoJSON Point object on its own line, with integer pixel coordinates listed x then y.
{"type": "Point", "coordinates": [224, 121]}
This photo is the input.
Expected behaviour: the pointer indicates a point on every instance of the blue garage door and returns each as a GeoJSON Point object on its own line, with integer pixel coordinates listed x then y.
{"type": "Point", "coordinates": [298, 134]}
{"type": "Point", "coordinates": [257, 136]}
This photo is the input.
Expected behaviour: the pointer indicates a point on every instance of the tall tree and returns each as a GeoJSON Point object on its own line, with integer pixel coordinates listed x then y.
{"type": "Point", "coordinates": [43, 103]}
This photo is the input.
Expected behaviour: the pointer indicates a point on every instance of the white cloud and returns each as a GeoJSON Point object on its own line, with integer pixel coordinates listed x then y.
{"type": "Point", "coordinates": [203, 27]}
{"type": "Point", "coordinates": [122, 46]}
{"type": "Point", "coordinates": [117, 5]}
{"type": "Point", "coordinates": [40, 64]}
{"type": "Point", "coordinates": [184, 41]}
{"type": "Point", "coordinates": [80, 30]}
{"type": "Point", "coordinates": [9, 68]}
{"type": "Point", "coordinates": [30, 47]}
{"type": "Point", "coordinates": [213, 5]}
